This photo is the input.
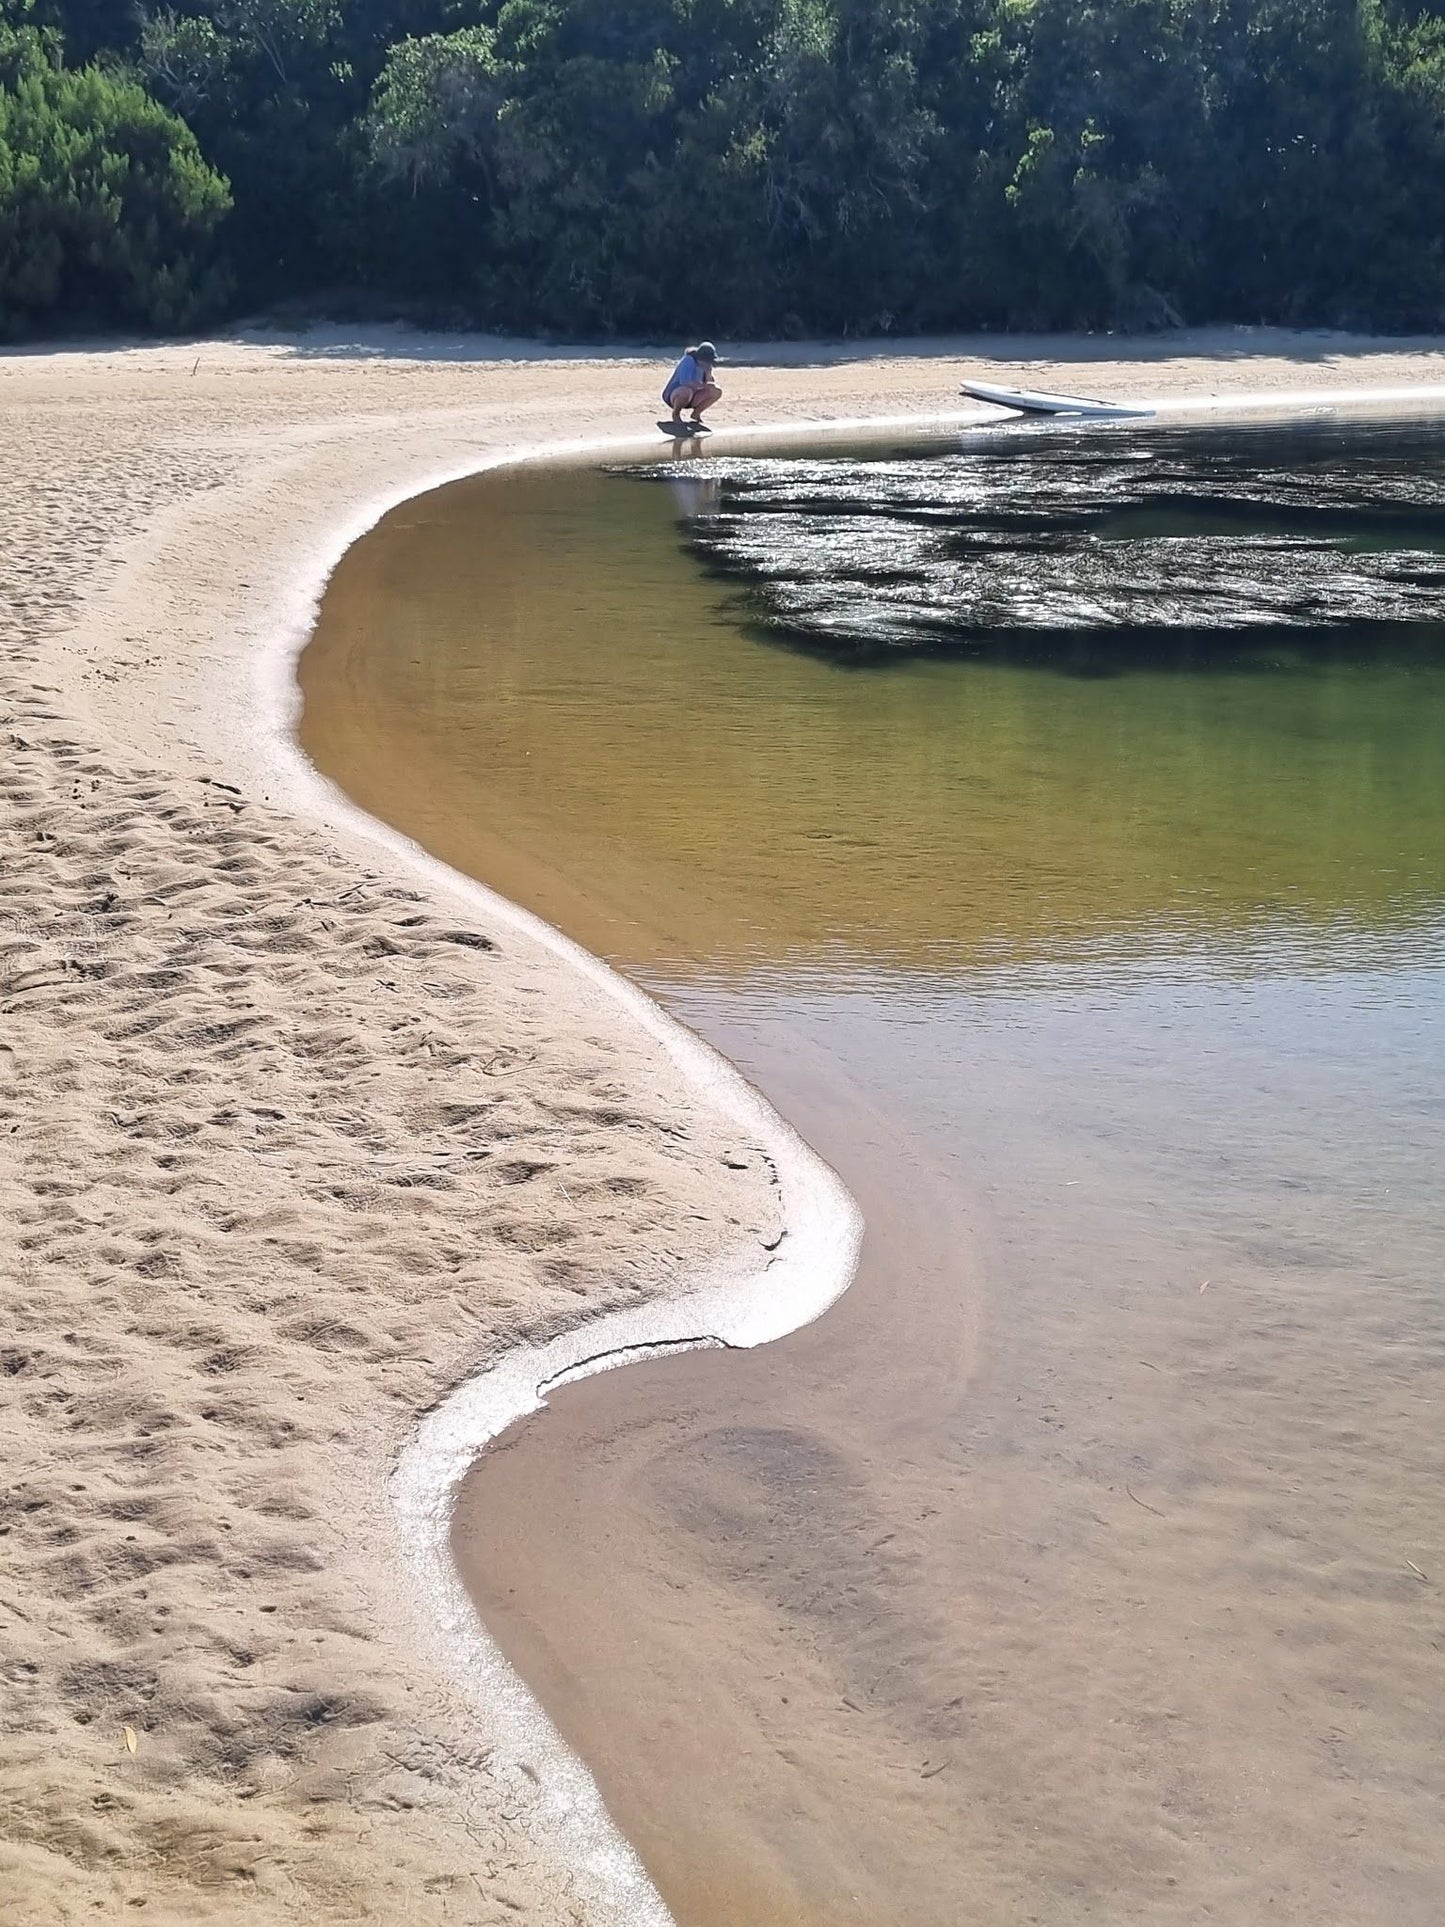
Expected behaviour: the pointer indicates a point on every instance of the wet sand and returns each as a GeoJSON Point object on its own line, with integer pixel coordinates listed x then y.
{"type": "Point", "coordinates": [245, 1242]}
{"type": "Point", "coordinates": [1061, 1571]}
{"type": "Point", "coordinates": [748, 1572]}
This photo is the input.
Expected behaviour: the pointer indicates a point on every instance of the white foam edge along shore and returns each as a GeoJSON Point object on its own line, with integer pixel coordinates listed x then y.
{"type": "Point", "coordinates": [809, 1270]}
{"type": "Point", "coordinates": [811, 1266]}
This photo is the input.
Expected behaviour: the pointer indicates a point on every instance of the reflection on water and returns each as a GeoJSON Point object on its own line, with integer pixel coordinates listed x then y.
{"type": "Point", "coordinates": [1068, 1569]}
{"type": "Point", "coordinates": [1092, 553]}
{"type": "Point", "coordinates": [760, 807]}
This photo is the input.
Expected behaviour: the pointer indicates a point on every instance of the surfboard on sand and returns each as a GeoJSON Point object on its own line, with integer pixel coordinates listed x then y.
{"type": "Point", "coordinates": [684, 429]}
{"type": "Point", "coordinates": [1033, 401]}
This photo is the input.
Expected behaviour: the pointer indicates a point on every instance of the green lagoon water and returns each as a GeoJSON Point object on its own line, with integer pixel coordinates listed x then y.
{"type": "Point", "coordinates": [1051, 824]}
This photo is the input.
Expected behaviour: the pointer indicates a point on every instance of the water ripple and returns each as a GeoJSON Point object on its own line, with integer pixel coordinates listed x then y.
{"type": "Point", "coordinates": [1195, 548]}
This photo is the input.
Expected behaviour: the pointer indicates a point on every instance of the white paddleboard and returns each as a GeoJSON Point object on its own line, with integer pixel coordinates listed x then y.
{"type": "Point", "coordinates": [1031, 401]}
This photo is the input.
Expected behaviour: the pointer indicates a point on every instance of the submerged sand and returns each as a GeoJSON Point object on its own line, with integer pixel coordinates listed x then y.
{"type": "Point", "coordinates": [296, 1138]}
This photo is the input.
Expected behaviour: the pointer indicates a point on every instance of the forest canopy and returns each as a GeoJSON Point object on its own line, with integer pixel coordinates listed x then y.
{"type": "Point", "coordinates": [752, 167]}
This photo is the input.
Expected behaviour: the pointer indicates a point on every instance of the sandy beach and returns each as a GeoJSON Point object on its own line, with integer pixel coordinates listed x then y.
{"type": "Point", "coordinates": [298, 1138]}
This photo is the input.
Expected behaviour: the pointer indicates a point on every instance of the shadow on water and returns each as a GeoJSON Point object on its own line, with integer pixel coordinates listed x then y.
{"type": "Point", "coordinates": [1078, 650]}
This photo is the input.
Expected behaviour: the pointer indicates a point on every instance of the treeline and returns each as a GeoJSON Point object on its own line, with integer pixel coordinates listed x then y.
{"type": "Point", "coordinates": [745, 167]}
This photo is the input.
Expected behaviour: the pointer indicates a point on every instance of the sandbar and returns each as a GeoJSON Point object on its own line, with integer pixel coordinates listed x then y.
{"type": "Point", "coordinates": [299, 1138]}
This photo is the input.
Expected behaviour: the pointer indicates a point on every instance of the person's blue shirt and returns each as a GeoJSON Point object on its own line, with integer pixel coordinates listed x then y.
{"type": "Point", "coordinates": [687, 374]}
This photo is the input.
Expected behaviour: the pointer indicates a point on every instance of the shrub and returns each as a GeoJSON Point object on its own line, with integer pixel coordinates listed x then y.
{"type": "Point", "coordinates": [106, 207]}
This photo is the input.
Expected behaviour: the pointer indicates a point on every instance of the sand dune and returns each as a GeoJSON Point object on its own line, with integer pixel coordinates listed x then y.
{"type": "Point", "coordinates": [293, 1139]}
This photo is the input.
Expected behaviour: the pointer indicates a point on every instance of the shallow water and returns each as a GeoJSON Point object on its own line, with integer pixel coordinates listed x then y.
{"type": "Point", "coordinates": [1050, 824]}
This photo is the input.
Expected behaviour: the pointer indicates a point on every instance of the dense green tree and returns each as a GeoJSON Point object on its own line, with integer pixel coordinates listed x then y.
{"type": "Point", "coordinates": [443, 163]}
{"type": "Point", "coordinates": [106, 207]}
{"type": "Point", "coordinates": [761, 166]}
{"type": "Point", "coordinates": [269, 92]}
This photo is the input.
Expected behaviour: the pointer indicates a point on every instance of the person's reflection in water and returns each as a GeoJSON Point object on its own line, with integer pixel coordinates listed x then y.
{"type": "Point", "coordinates": [693, 495]}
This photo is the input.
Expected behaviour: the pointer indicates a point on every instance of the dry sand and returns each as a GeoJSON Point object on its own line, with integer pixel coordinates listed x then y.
{"type": "Point", "coordinates": [295, 1140]}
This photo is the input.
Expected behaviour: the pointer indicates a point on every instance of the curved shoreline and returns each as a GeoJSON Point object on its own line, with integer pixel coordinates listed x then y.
{"type": "Point", "coordinates": [812, 1266]}
{"type": "Point", "coordinates": [264, 631]}
{"type": "Point", "coordinates": [823, 1227]}
{"type": "Point", "coordinates": [816, 1259]}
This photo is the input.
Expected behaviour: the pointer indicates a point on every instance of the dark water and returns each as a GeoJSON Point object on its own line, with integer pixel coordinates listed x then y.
{"type": "Point", "coordinates": [1051, 825]}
